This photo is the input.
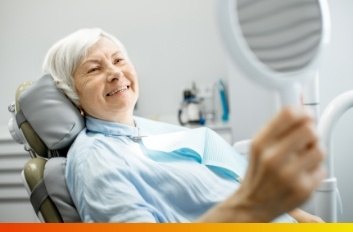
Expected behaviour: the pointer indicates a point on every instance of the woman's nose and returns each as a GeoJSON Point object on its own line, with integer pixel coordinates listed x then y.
{"type": "Point", "coordinates": [114, 73]}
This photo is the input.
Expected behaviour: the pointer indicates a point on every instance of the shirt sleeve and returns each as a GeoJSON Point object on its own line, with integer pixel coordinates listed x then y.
{"type": "Point", "coordinates": [104, 189]}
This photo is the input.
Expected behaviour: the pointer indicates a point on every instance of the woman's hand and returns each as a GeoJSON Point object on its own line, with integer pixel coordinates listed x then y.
{"type": "Point", "coordinates": [305, 217]}
{"type": "Point", "coordinates": [284, 169]}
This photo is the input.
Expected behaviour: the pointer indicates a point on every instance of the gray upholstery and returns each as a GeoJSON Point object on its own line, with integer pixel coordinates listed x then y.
{"type": "Point", "coordinates": [33, 172]}
{"type": "Point", "coordinates": [54, 179]}
{"type": "Point", "coordinates": [50, 113]}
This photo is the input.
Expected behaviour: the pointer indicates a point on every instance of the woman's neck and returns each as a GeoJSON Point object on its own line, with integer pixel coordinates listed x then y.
{"type": "Point", "coordinates": [128, 120]}
{"type": "Point", "coordinates": [119, 118]}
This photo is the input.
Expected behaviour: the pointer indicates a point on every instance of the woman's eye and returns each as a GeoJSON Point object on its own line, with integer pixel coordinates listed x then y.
{"type": "Point", "coordinates": [91, 70]}
{"type": "Point", "coordinates": [118, 60]}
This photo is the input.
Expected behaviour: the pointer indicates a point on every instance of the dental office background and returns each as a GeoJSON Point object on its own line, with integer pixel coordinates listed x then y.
{"type": "Point", "coordinates": [172, 44]}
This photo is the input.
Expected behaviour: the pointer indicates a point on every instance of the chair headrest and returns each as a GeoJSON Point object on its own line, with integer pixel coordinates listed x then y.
{"type": "Point", "coordinates": [47, 118]}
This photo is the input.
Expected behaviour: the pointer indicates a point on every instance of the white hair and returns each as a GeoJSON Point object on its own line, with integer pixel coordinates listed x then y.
{"type": "Point", "coordinates": [64, 56]}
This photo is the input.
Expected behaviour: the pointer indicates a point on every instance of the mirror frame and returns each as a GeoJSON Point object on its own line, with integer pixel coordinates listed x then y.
{"type": "Point", "coordinates": [240, 52]}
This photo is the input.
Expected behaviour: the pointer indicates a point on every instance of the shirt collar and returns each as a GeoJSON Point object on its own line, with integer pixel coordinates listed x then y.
{"type": "Point", "coordinates": [110, 128]}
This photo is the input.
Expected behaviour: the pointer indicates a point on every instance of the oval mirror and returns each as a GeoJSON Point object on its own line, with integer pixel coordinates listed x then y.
{"type": "Point", "coordinates": [277, 43]}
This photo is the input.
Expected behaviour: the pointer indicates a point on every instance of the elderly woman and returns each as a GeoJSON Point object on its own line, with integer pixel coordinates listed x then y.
{"type": "Point", "coordinates": [113, 175]}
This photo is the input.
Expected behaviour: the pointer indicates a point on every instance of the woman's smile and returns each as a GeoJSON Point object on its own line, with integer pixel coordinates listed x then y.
{"type": "Point", "coordinates": [119, 90]}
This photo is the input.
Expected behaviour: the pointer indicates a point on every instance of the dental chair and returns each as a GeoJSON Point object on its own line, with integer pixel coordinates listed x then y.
{"type": "Point", "coordinates": [47, 123]}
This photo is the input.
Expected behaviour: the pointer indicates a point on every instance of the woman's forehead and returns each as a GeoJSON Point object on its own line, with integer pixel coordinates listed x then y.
{"type": "Point", "coordinates": [105, 47]}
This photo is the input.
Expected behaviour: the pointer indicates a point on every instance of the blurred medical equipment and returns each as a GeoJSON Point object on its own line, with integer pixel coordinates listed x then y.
{"type": "Point", "coordinates": [190, 110]}
{"type": "Point", "coordinates": [205, 104]}
{"type": "Point", "coordinates": [278, 44]}
{"type": "Point", "coordinates": [223, 100]}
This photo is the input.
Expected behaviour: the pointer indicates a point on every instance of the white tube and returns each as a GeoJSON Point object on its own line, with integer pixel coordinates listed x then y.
{"type": "Point", "coordinates": [336, 108]}
{"type": "Point", "coordinates": [326, 196]}
{"type": "Point", "coordinates": [325, 200]}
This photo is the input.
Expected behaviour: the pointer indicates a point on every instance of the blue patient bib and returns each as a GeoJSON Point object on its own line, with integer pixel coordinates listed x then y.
{"type": "Point", "coordinates": [203, 145]}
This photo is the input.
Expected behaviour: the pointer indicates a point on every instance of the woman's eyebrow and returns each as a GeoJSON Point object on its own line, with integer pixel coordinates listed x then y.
{"type": "Point", "coordinates": [116, 53]}
{"type": "Point", "coordinates": [96, 61]}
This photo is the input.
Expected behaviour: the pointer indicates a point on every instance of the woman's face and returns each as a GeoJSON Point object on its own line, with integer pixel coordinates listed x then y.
{"type": "Point", "coordinates": [106, 83]}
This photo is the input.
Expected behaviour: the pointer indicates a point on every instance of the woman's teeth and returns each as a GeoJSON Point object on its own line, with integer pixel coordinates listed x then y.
{"type": "Point", "coordinates": [118, 91]}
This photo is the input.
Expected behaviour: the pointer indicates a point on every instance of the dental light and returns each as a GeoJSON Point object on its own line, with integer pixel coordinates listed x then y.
{"type": "Point", "coordinates": [279, 44]}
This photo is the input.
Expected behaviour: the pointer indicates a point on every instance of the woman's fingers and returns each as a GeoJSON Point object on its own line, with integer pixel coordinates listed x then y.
{"type": "Point", "coordinates": [283, 123]}
{"type": "Point", "coordinates": [300, 140]}
{"type": "Point", "coordinates": [303, 172]}
{"type": "Point", "coordinates": [287, 149]}
{"type": "Point", "coordinates": [289, 132]}
{"type": "Point", "coordinates": [286, 156]}
{"type": "Point", "coordinates": [300, 149]}
{"type": "Point", "coordinates": [311, 158]}
{"type": "Point", "coordinates": [307, 182]}
{"type": "Point", "coordinates": [287, 118]}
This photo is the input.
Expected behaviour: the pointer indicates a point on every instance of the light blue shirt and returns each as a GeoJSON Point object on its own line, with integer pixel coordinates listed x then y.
{"type": "Point", "coordinates": [113, 176]}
